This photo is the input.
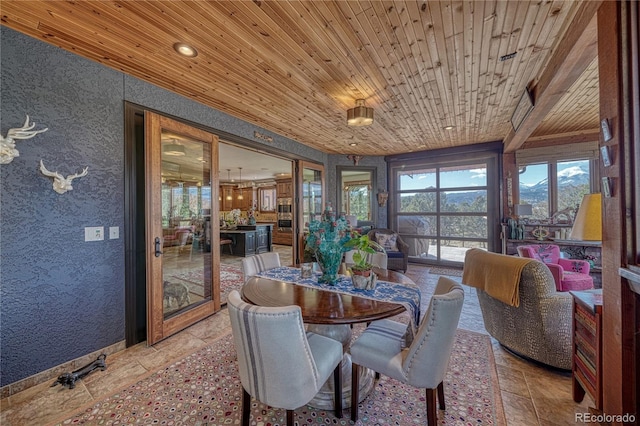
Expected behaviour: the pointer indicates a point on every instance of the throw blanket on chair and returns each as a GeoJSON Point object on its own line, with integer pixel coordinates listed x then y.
{"type": "Point", "coordinates": [498, 275]}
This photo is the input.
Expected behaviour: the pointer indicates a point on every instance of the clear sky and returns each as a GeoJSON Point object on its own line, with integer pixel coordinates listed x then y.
{"type": "Point", "coordinates": [426, 178]}
{"type": "Point", "coordinates": [476, 176]}
{"type": "Point", "coordinates": [538, 172]}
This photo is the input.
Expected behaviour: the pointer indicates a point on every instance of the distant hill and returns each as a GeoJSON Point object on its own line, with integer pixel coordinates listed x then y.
{"type": "Point", "coordinates": [569, 178]}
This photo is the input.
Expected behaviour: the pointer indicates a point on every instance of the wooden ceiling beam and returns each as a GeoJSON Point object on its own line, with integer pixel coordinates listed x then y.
{"type": "Point", "coordinates": [562, 139]}
{"type": "Point", "coordinates": [573, 54]}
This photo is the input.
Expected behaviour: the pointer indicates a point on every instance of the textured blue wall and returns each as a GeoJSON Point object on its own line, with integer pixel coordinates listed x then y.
{"type": "Point", "coordinates": [62, 297]}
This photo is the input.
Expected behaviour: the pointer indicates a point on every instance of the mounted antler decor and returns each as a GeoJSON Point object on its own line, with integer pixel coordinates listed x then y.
{"type": "Point", "coordinates": [8, 149]}
{"type": "Point", "coordinates": [355, 158]}
{"type": "Point", "coordinates": [61, 184]}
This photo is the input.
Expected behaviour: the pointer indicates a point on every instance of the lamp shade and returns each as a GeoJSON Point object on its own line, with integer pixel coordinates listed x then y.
{"type": "Point", "coordinates": [524, 209]}
{"type": "Point", "coordinates": [360, 115]}
{"type": "Point", "coordinates": [588, 223]}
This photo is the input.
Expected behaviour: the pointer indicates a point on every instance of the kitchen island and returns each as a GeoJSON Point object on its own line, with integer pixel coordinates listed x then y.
{"type": "Point", "coordinates": [248, 240]}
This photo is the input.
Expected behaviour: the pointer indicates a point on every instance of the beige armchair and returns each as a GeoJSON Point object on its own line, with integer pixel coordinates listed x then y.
{"type": "Point", "coordinates": [540, 327]}
{"type": "Point", "coordinates": [397, 250]}
{"type": "Point", "coordinates": [281, 364]}
{"type": "Point", "coordinates": [410, 227]}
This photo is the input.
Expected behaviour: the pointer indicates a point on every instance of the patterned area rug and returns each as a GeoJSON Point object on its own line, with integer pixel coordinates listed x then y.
{"type": "Point", "coordinates": [231, 278]}
{"type": "Point", "coordinates": [452, 272]}
{"type": "Point", "coordinates": [204, 389]}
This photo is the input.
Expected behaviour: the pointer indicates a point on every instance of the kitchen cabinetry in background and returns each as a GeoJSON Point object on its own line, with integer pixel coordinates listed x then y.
{"type": "Point", "coordinates": [283, 233]}
{"type": "Point", "coordinates": [226, 198]}
{"type": "Point", "coordinates": [248, 240]}
{"type": "Point", "coordinates": [284, 188]}
{"type": "Point", "coordinates": [248, 198]}
{"type": "Point", "coordinates": [284, 238]}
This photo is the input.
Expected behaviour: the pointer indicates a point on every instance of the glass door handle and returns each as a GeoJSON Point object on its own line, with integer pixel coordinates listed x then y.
{"type": "Point", "coordinates": [157, 244]}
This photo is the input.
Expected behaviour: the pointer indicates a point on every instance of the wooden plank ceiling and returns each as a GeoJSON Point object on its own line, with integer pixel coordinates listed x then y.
{"type": "Point", "coordinates": [295, 67]}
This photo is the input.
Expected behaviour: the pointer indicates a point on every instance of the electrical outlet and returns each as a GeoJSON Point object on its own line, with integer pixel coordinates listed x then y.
{"type": "Point", "coordinates": [94, 233]}
{"type": "Point", "coordinates": [114, 232]}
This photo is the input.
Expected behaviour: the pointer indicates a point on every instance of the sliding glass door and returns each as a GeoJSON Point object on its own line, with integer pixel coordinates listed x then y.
{"type": "Point", "coordinates": [181, 226]}
{"type": "Point", "coordinates": [442, 210]}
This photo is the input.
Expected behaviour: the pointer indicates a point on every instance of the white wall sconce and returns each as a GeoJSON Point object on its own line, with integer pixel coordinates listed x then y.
{"type": "Point", "coordinates": [8, 149]}
{"type": "Point", "coordinates": [60, 183]}
{"type": "Point", "coordinates": [383, 196]}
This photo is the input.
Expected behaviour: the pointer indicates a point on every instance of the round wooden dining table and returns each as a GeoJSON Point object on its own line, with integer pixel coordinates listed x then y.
{"type": "Point", "coordinates": [324, 307]}
{"type": "Point", "coordinates": [330, 314]}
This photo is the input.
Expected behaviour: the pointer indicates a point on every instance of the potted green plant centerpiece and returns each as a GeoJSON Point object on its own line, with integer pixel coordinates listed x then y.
{"type": "Point", "coordinates": [361, 271]}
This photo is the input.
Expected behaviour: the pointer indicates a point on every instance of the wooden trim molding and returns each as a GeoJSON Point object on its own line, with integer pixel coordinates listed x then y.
{"type": "Point", "coordinates": [620, 305]}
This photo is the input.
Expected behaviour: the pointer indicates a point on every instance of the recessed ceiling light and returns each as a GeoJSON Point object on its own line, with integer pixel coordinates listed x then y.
{"type": "Point", "coordinates": [185, 50]}
{"type": "Point", "coordinates": [353, 144]}
{"type": "Point", "coordinates": [448, 127]}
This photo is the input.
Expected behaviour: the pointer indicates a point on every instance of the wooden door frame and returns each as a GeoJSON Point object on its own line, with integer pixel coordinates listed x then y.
{"type": "Point", "coordinates": [300, 165]}
{"type": "Point", "coordinates": [618, 80]}
{"type": "Point", "coordinates": [158, 327]}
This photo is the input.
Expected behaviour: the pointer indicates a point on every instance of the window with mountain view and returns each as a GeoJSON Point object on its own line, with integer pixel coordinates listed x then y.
{"type": "Point", "coordinates": [554, 186]}
{"type": "Point", "coordinates": [442, 211]}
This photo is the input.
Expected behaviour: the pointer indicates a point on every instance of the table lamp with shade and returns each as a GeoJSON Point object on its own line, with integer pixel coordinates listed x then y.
{"type": "Point", "coordinates": [588, 223]}
{"type": "Point", "coordinates": [522, 210]}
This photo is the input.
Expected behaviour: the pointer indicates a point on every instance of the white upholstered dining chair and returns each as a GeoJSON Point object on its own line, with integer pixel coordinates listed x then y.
{"type": "Point", "coordinates": [422, 365]}
{"type": "Point", "coordinates": [280, 363]}
{"type": "Point", "coordinates": [253, 265]}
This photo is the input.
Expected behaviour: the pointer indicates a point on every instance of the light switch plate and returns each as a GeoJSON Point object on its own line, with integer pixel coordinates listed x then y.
{"type": "Point", "coordinates": [114, 232]}
{"type": "Point", "coordinates": [94, 233]}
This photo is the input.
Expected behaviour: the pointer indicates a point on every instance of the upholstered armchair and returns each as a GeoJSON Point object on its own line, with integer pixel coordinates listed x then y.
{"type": "Point", "coordinates": [409, 226]}
{"type": "Point", "coordinates": [568, 274]}
{"type": "Point", "coordinates": [253, 265]}
{"type": "Point", "coordinates": [280, 364]}
{"type": "Point", "coordinates": [422, 365]}
{"type": "Point", "coordinates": [397, 250]}
{"type": "Point", "coordinates": [539, 328]}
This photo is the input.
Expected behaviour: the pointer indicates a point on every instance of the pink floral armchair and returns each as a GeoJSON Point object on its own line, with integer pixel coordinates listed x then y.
{"type": "Point", "coordinates": [568, 274]}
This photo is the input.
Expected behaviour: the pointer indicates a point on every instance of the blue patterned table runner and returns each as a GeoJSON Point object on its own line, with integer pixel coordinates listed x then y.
{"type": "Point", "coordinates": [405, 294]}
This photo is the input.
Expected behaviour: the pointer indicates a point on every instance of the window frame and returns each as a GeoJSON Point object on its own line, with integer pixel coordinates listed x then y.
{"type": "Point", "coordinates": [552, 176]}
{"type": "Point", "coordinates": [489, 153]}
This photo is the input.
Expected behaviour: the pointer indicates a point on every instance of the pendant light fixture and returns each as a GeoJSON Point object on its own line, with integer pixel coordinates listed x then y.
{"type": "Point", "coordinates": [360, 115]}
{"type": "Point", "coordinates": [173, 149]}
{"type": "Point", "coordinates": [229, 197]}
{"type": "Point", "coordinates": [240, 197]}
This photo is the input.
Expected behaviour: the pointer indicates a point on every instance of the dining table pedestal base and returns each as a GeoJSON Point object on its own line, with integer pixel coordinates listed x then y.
{"type": "Point", "coordinates": [324, 398]}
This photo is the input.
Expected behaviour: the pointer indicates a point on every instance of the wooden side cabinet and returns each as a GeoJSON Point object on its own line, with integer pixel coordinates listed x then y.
{"type": "Point", "coordinates": [587, 345]}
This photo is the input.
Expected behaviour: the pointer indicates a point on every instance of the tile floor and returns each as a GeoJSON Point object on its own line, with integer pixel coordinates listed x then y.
{"type": "Point", "coordinates": [531, 395]}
